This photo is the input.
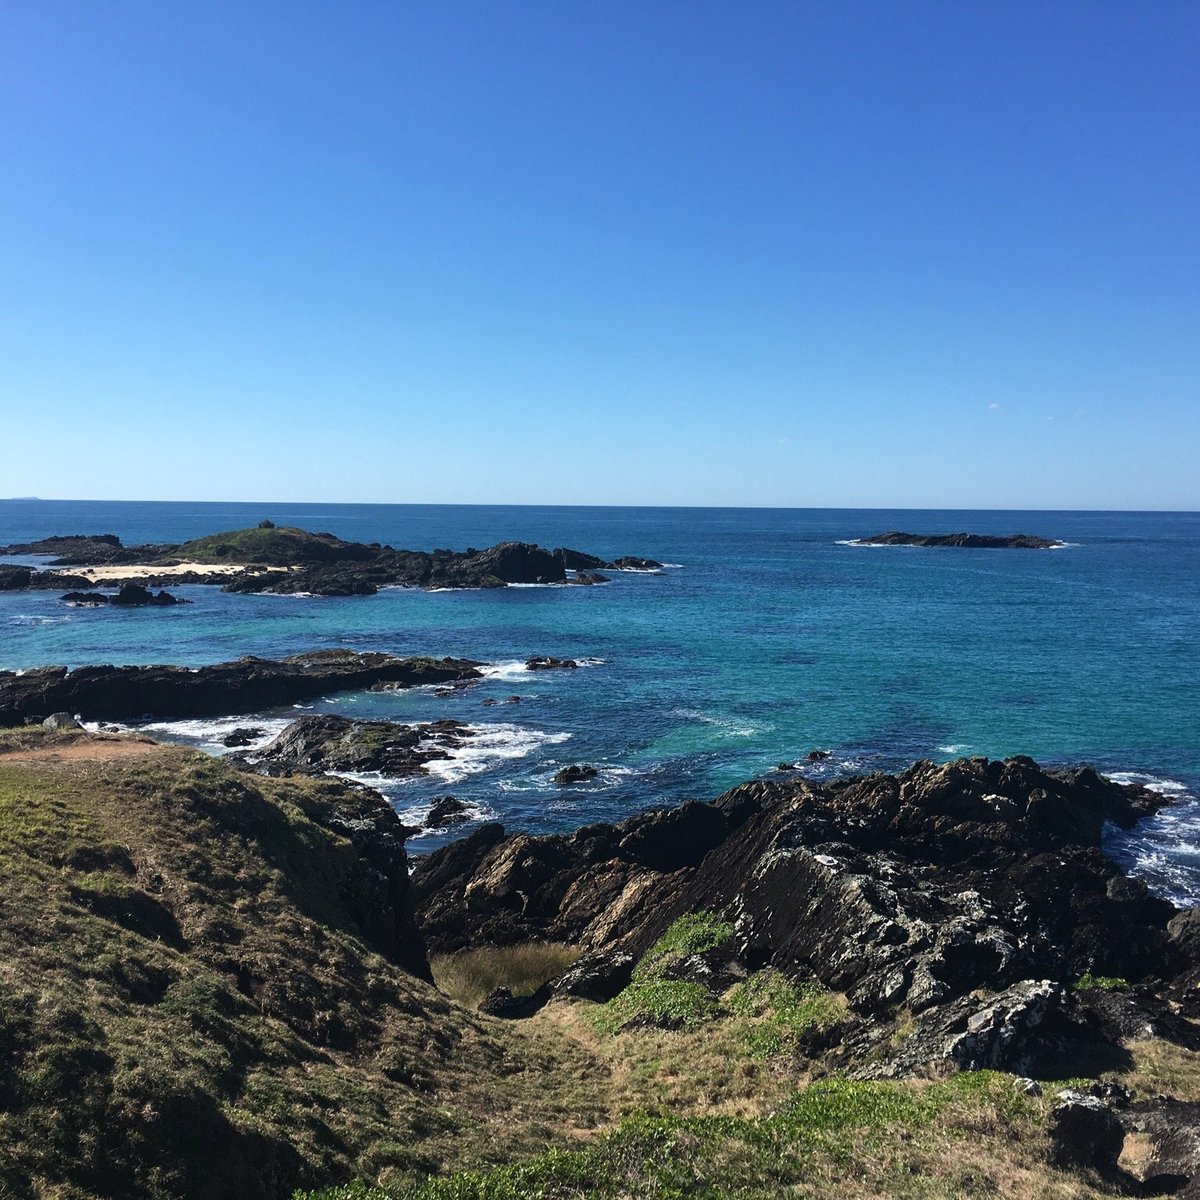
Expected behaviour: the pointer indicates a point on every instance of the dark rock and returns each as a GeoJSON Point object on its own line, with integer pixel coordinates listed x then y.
{"type": "Point", "coordinates": [85, 599]}
{"type": "Point", "coordinates": [319, 744]}
{"type": "Point", "coordinates": [1085, 1132]}
{"type": "Point", "coordinates": [1184, 932]}
{"type": "Point", "coordinates": [247, 685]}
{"type": "Point", "coordinates": [575, 774]}
{"type": "Point", "coordinates": [61, 720]}
{"type": "Point", "coordinates": [969, 541]}
{"type": "Point", "coordinates": [597, 977]}
{"type": "Point", "coordinates": [446, 811]}
{"type": "Point", "coordinates": [1173, 1130]}
{"type": "Point", "coordinates": [630, 562]}
{"type": "Point", "coordinates": [502, 1003]}
{"type": "Point", "coordinates": [543, 662]}
{"type": "Point", "coordinates": [14, 579]}
{"type": "Point", "coordinates": [912, 894]}
{"type": "Point", "coordinates": [817, 755]}
{"type": "Point", "coordinates": [576, 560]}
{"type": "Point", "coordinates": [133, 595]}
{"type": "Point", "coordinates": [243, 735]}
{"type": "Point", "coordinates": [588, 578]}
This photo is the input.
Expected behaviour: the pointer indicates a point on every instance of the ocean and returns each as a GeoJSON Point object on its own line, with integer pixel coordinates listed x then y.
{"type": "Point", "coordinates": [767, 636]}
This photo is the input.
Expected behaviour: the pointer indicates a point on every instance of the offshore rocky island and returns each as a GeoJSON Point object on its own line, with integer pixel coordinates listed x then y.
{"type": "Point", "coordinates": [287, 560]}
{"type": "Point", "coordinates": [930, 983]}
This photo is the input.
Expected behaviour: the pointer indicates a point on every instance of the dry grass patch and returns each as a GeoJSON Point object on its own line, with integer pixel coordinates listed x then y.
{"type": "Point", "coordinates": [469, 976]}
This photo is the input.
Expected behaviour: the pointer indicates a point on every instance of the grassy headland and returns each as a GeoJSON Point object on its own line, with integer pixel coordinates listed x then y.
{"type": "Point", "coordinates": [192, 1005]}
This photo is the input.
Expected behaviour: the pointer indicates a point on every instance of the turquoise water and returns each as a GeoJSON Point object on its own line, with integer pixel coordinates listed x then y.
{"type": "Point", "coordinates": [770, 638]}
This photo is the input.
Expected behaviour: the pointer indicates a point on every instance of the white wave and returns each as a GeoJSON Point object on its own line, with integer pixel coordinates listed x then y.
{"type": "Point", "coordinates": [534, 585]}
{"type": "Point", "coordinates": [489, 746]}
{"type": "Point", "coordinates": [732, 726]}
{"type": "Point", "coordinates": [418, 814]}
{"type": "Point", "coordinates": [515, 668]}
{"type": "Point", "coordinates": [954, 748]}
{"type": "Point", "coordinates": [1164, 850]}
{"type": "Point", "coordinates": [210, 733]}
{"type": "Point", "coordinates": [1165, 787]}
{"type": "Point", "coordinates": [673, 566]}
{"type": "Point", "coordinates": [29, 619]}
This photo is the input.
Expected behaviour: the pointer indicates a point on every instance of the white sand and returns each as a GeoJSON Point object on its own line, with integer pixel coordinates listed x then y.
{"type": "Point", "coordinates": [141, 570]}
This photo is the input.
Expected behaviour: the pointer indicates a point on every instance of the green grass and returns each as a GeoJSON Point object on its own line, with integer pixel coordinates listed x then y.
{"type": "Point", "coordinates": [1100, 983]}
{"type": "Point", "coordinates": [691, 934]}
{"type": "Point", "coordinates": [279, 546]}
{"type": "Point", "coordinates": [777, 1013]}
{"type": "Point", "coordinates": [824, 1129]}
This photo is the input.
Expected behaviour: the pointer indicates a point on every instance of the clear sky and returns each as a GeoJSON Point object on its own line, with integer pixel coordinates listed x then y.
{"type": "Point", "coordinates": [879, 254]}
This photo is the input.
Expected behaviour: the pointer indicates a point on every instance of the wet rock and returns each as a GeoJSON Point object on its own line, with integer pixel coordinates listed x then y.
{"type": "Point", "coordinates": [587, 578]}
{"type": "Point", "coordinates": [543, 662]}
{"type": "Point", "coordinates": [446, 811]}
{"type": "Point", "coordinates": [243, 735]}
{"type": "Point", "coordinates": [85, 599]}
{"type": "Point", "coordinates": [319, 744]}
{"type": "Point", "coordinates": [817, 755]}
{"type": "Point", "coordinates": [575, 774]}
{"type": "Point", "coordinates": [630, 562]}
{"type": "Point", "coordinates": [133, 595]}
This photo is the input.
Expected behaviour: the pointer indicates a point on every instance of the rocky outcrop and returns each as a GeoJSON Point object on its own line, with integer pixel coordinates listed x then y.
{"type": "Point", "coordinates": [543, 662]}
{"type": "Point", "coordinates": [318, 745]}
{"type": "Point", "coordinates": [966, 541]}
{"type": "Point", "coordinates": [246, 685]}
{"type": "Point", "coordinates": [575, 774]}
{"type": "Point", "coordinates": [130, 595]}
{"type": "Point", "coordinates": [286, 560]}
{"type": "Point", "coordinates": [917, 894]}
{"type": "Point", "coordinates": [89, 549]}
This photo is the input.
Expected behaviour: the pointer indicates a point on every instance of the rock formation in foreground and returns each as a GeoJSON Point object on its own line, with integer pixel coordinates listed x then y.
{"type": "Point", "coordinates": [967, 899]}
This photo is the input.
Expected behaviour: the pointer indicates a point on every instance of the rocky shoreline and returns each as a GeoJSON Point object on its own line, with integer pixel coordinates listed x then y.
{"type": "Point", "coordinates": [961, 904]}
{"type": "Point", "coordinates": [168, 693]}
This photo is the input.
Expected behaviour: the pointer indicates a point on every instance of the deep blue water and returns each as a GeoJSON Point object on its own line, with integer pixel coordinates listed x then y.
{"type": "Point", "coordinates": [770, 638]}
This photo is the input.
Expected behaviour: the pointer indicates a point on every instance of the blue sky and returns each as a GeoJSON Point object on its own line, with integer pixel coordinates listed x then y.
{"type": "Point", "coordinates": [893, 254]}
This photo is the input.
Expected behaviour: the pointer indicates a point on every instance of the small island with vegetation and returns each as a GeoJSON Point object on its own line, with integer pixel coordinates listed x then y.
{"type": "Point", "coordinates": [285, 559]}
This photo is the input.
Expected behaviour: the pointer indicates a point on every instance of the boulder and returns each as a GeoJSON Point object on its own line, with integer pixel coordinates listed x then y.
{"type": "Point", "coordinates": [243, 735]}
{"type": "Point", "coordinates": [1085, 1132]}
{"type": "Point", "coordinates": [597, 977]}
{"type": "Point", "coordinates": [543, 662]}
{"type": "Point", "coordinates": [575, 774]}
{"type": "Point", "coordinates": [446, 811]}
{"type": "Point", "coordinates": [61, 720]}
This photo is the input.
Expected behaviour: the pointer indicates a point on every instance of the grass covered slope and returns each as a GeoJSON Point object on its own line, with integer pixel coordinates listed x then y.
{"type": "Point", "coordinates": [189, 1005]}
{"type": "Point", "coordinates": [273, 546]}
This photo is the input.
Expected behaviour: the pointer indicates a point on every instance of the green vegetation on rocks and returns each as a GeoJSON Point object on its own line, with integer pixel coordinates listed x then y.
{"type": "Point", "coordinates": [274, 546]}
